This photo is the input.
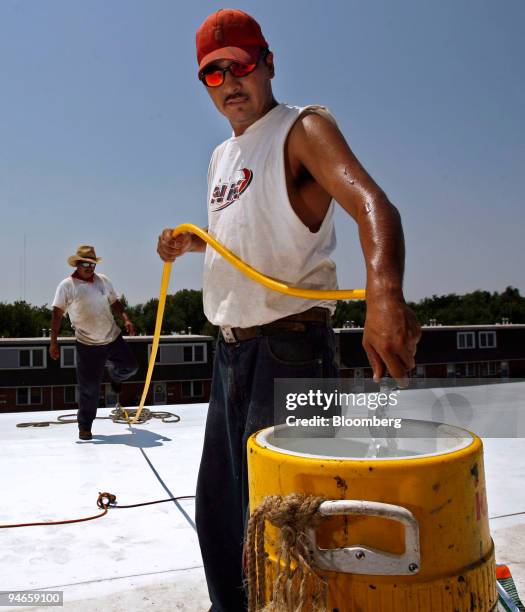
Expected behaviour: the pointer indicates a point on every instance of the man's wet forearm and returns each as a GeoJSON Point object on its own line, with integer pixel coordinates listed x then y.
{"type": "Point", "coordinates": [383, 244]}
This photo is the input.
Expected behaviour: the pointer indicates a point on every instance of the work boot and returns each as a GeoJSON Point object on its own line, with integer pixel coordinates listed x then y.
{"type": "Point", "coordinates": [84, 434]}
{"type": "Point", "coordinates": [116, 386]}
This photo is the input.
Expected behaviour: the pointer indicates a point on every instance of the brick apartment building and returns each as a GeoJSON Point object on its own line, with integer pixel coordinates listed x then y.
{"type": "Point", "coordinates": [30, 380]}
{"type": "Point", "coordinates": [447, 351]}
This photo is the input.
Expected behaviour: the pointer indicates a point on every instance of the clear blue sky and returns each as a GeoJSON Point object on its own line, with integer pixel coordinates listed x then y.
{"type": "Point", "coordinates": [105, 132]}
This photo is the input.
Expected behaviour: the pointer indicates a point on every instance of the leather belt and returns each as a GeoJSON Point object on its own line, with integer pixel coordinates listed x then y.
{"type": "Point", "coordinates": [294, 322]}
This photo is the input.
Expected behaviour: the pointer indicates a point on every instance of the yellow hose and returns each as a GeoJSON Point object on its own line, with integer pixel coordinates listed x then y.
{"type": "Point", "coordinates": [270, 283]}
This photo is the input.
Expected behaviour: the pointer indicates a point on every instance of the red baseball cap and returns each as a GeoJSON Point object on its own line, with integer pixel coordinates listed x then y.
{"type": "Point", "coordinates": [229, 34]}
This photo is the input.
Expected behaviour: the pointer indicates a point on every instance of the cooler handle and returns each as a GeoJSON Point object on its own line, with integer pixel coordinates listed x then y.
{"type": "Point", "coordinates": [361, 559]}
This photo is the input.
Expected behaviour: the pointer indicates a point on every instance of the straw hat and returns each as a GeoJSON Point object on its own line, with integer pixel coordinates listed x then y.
{"type": "Point", "coordinates": [84, 253]}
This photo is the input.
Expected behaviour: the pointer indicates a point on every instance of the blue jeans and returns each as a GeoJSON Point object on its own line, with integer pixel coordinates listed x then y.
{"type": "Point", "coordinates": [241, 403]}
{"type": "Point", "coordinates": [91, 360]}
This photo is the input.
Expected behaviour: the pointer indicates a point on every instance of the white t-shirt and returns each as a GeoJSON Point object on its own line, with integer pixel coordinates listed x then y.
{"type": "Point", "coordinates": [88, 306]}
{"type": "Point", "coordinates": [249, 211]}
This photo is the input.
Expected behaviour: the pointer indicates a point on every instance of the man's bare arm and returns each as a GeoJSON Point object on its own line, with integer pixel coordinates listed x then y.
{"type": "Point", "coordinates": [118, 309]}
{"type": "Point", "coordinates": [391, 329]}
{"type": "Point", "coordinates": [56, 323]}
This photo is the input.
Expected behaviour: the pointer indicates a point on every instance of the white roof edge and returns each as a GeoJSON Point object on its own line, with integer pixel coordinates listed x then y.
{"type": "Point", "coordinates": [439, 326]}
{"type": "Point", "coordinates": [46, 339]}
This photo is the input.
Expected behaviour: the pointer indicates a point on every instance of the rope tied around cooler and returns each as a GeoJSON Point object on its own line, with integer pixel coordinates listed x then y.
{"type": "Point", "coordinates": [296, 586]}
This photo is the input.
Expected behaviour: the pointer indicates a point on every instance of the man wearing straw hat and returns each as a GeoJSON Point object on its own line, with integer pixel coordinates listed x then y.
{"type": "Point", "coordinates": [90, 301]}
{"type": "Point", "coordinates": [271, 192]}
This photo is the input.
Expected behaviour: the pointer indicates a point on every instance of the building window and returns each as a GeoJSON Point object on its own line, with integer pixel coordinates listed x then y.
{"type": "Point", "coordinates": [27, 396]}
{"type": "Point", "coordinates": [489, 368]}
{"type": "Point", "coordinates": [465, 369]}
{"type": "Point", "coordinates": [487, 339]}
{"type": "Point", "coordinates": [192, 388]}
{"type": "Point", "coordinates": [160, 395]}
{"type": "Point", "coordinates": [22, 358]}
{"type": "Point", "coordinates": [173, 354]}
{"type": "Point", "coordinates": [32, 358]}
{"type": "Point", "coordinates": [470, 369]}
{"type": "Point", "coordinates": [466, 340]}
{"type": "Point", "coordinates": [71, 394]}
{"type": "Point", "coordinates": [68, 357]}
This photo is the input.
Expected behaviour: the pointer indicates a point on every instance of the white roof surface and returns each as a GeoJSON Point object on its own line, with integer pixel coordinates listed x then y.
{"type": "Point", "coordinates": [131, 559]}
{"type": "Point", "coordinates": [148, 558]}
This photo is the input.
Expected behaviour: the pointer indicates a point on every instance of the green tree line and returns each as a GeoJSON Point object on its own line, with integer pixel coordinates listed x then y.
{"type": "Point", "coordinates": [184, 312]}
{"type": "Point", "coordinates": [475, 308]}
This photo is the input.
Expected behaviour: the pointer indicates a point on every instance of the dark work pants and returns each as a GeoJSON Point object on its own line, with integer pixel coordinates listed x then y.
{"type": "Point", "coordinates": [91, 360]}
{"type": "Point", "coordinates": [242, 403]}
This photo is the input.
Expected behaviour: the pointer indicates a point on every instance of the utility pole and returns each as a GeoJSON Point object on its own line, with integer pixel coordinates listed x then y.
{"type": "Point", "coordinates": [25, 267]}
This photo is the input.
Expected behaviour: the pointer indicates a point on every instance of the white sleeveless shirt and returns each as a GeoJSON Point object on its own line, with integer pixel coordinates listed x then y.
{"type": "Point", "coordinates": [250, 213]}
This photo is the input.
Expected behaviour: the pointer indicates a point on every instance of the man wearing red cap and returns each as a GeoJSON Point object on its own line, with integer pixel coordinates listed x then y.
{"type": "Point", "coordinates": [270, 201]}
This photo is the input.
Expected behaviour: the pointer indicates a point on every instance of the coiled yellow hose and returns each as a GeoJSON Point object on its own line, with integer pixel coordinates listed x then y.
{"type": "Point", "coordinates": [270, 283]}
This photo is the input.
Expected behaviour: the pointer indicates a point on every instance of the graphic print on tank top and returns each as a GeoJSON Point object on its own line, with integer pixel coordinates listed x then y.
{"type": "Point", "coordinates": [229, 191]}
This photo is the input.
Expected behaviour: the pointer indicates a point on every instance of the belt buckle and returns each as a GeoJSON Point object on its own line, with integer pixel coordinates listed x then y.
{"type": "Point", "coordinates": [228, 335]}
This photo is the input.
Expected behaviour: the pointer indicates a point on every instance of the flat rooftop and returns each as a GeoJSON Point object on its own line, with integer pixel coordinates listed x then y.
{"type": "Point", "coordinates": [131, 559]}
{"type": "Point", "coordinates": [148, 558]}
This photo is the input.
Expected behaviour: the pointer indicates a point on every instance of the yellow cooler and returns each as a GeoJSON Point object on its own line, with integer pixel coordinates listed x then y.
{"type": "Point", "coordinates": [408, 528]}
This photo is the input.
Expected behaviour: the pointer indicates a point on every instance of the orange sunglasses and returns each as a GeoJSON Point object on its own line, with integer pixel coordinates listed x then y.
{"type": "Point", "coordinates": [213, 76]}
